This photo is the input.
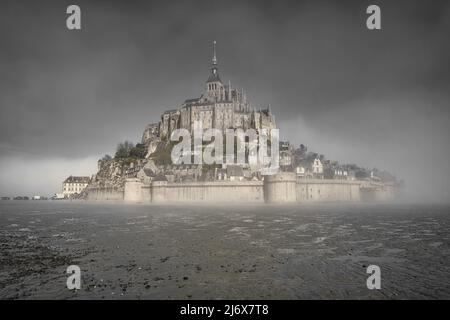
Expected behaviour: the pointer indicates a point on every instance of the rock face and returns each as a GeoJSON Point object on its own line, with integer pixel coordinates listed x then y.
{"type": "Point", "coordinates": [151, 138]}
{"type": "Point", "coordinates": [112, 174]}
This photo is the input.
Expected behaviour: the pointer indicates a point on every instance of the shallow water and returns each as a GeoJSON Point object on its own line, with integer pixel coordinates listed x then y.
{"type": "Point", "coordinates": [223, 252]}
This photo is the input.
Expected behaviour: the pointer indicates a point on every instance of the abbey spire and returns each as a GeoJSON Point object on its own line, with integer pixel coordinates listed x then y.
{"type": "Point", "coordinates": [214, 86]}
{"type": "Point", "coordinates": [214, 59]}
{"type": "Point", "coordinates": [214, 77]}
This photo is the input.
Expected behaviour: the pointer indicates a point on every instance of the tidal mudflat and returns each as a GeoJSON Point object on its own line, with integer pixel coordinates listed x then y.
{"type": "Point", "coordinates": [223, 252]}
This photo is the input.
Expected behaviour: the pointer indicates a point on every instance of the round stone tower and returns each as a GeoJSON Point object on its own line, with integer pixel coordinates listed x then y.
{"type": "Point", "coordinates": [280, 187]}
{"type": "Point", "coordinates": [132, 190]}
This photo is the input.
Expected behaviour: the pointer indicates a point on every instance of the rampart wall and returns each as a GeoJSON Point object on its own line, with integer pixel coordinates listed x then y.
{"type": "Point", "coordinates": [280, 188]}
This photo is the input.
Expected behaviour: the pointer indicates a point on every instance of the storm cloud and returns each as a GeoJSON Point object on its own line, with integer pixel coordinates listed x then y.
{"type": "Point", "coordinates": [375, 98]}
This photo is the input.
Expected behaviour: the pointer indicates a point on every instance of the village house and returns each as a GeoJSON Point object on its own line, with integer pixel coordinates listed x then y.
{"type": "Point", "coordinates": [74, 185]}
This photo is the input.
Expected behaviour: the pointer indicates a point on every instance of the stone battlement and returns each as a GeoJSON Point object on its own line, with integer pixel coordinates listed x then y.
{"type": "Point", "coordinates": [284, 187]}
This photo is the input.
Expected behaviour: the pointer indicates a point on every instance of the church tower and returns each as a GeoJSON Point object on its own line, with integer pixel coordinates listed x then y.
{"type": "Point", "coordinates": [214, 86]}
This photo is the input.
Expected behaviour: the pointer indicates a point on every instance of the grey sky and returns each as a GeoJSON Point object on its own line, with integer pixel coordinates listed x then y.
{"type": "Point", "coordinates": [376, 98]}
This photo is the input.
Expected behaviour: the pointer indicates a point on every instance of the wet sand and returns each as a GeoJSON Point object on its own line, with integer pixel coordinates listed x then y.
{"type": "Point", "coordinates": [223, 252]}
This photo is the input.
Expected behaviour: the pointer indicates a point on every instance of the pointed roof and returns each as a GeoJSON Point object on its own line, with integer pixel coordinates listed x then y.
{"type": "Point", "coordinates": [214, 59]}
{"type": "Point", "coordinates": [214, 76]}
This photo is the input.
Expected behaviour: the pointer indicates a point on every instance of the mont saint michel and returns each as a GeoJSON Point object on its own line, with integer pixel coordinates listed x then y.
{"type": "Point", "coordinates": [145, 172]}
{"type": "Point", "coordinates": [227, 154]}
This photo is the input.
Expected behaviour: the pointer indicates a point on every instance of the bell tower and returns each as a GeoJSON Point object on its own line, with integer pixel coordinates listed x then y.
{"type": "Point", "coordinates": [214, 86]}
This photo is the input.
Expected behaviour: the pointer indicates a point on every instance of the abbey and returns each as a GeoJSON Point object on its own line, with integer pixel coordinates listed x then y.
{"type": "Point", "coordinates": [149, 172]}
{"type": "Point", "coordinates": [220, 106]}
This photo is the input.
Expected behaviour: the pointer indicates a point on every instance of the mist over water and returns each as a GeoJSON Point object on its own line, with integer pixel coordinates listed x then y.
{"type": "Point", "coordinates": [416, 156]}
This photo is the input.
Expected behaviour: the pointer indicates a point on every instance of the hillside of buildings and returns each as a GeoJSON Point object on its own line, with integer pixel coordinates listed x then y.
{"type": "Point", "coordinates": [221, 106]}
{"type": "Point", "coordinates": [150, 159]}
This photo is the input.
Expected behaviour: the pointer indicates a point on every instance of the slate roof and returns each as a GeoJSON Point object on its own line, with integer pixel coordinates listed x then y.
{"type": "Point", "coordinates": [160, 177]}
{"type": "Point", "coordinates": [75, 179]}
{"type": "Point", "coordinates": [214, 78]}
{"type": "Point", "coordinates": [235, 171]}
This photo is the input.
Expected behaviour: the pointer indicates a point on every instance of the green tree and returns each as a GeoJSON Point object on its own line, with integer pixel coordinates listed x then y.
{"type": "Point", "coordinates": [123, 149]}
{"type": "Point", "coordinates": [139, 151]}
{"type": "Point", "coordinates": [162, 154]}
{"type": "Point", "coordinates": [106, 157]}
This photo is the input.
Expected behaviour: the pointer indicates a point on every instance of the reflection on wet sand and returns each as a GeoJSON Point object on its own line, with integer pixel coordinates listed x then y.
{"type": "Point", "coordinates": [200, 252]}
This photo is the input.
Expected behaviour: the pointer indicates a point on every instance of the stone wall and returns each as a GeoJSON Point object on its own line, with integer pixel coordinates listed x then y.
{"type": "Point", "coordinates": [104, 193]}
{"type": "Point", "coordinates": [243, 191]}
{"type": "Point", "coordinates": [377, 191]}
{"type": "Point", "coordinates": [323, 190]}
{"type": "Point", "coordinates": [133, 191]}
{"type": "Point", "coordinates": [280, 188]}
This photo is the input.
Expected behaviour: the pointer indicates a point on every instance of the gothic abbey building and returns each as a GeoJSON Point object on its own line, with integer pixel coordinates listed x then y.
{"type": "Point", "coordinates": [302, 176]}
{"type": "Point", "coordinates": [219, 107]}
